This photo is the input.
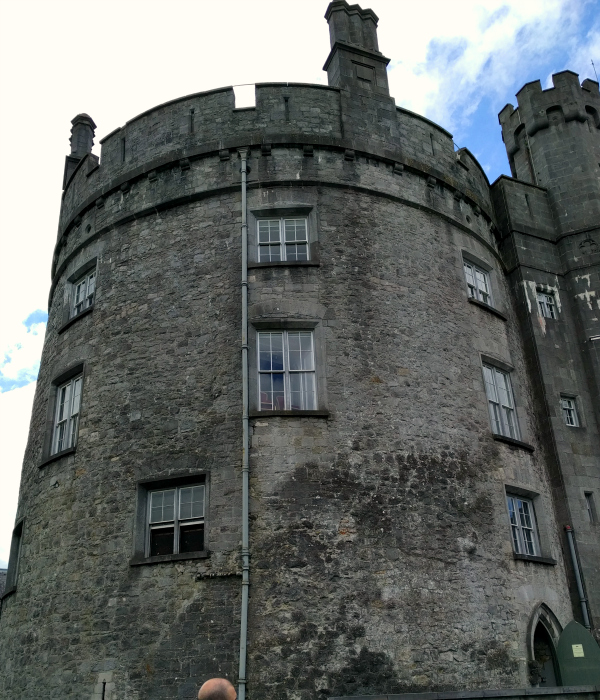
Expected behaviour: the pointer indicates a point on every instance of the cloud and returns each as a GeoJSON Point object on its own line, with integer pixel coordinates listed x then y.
{"type": "Point", "coordinates": [15, 410]}
{"type": "Point", "coordinates": [480, 51]}
{"type": "Point", "coordinates": [21, 351]}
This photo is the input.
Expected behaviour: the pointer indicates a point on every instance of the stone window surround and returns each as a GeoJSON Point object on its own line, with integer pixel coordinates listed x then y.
{"type": "Point", "coordinates": [470, 257]}
{"type": "Point", "coordinates": [542, 524]}
{"type": "Point", "coordinates": [67, 318]}
{"type": "Point", "coordinates": [575, 407]}
{"type": "Point", "coordinates": [517, 399]}
{"type": "Point", "coordinates": [287, 315]}
{"type": "Point", "coordinates": [140, 528]}
{"type": "Point", "coordinates": [58, 381]}
{"type": "Point", "coordinates": [14, 557]}
{"type": "Point", "coordinates": [277, 211]}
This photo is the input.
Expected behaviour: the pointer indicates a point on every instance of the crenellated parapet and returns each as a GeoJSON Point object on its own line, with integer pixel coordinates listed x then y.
{"type": "Point", "coordinates": [553, 141]}
{"type": "Point", "coordinates": [577, 103]}
{"type": "Point", "coordinates": [312, 118]}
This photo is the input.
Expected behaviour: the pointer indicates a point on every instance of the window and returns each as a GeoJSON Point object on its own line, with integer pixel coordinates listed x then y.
{"type": "Point", "coordinates": [286, 371]}
{"type": "Point", "coordinates": [478, 283]}
{"type": "Point", "coordinates": [83, 293]}
{"type": "Point", "coordinates": [66, 417]}
{"type": "Point", "coordinates": [591, 506]}
{"type": "Point", "coordinates": [569, 411]}
{"type": "Point", "coordinates": [176, 520]}
{"type": "Point", "coordinates": [546, 304]}
{"type": "Point", "coordinates": [500, 402]}
{"type": "Point", "coordinates": [282, 240]}
{"type": "Point", "coordinates": [522, 525]}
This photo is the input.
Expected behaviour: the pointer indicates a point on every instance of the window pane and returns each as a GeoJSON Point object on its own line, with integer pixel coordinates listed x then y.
{"type": "Point", "coordinates": [296, 251]}
{"type": "Point", "coordinates": [60, 437]}
{"type": "Point", "coordinates": [191, 502]}
{"type": "Point", "coordinates": [469, 274]}
{"type": "Point", "coordinates": [504, 392]}
{"type": "Point", "coordinates": [73, 433]}
{"type": "Point", "coordinates": [509, 419]}
{"type": "Point", "coordinates": [300, 351]}
{"type": "Point", "coordinates": [270, 347]}
{"type": "Point", "coordinates": [76, 397]}
{"type": "Point", "coordinates": [161, 541]}
{"type": "Point", "coordinates": [269, 253]}
{"type": "Point", "coordinates": [295, 230]}
{"type": "Point", "coordinates": [490, 384]}
{"type": "Point", "coordinates": [302, 391]}
{"type": "Point", "coordinates": [524, 514]}
{"type": "Point", "coordinates": [91, 284]}
{"type": "Point", "coordinates": [191, 538]}
{"type": "Point", "coordinates": [272, 397]}
{"type": "Point", "coordinates": [482, 284]}
{"type": "Point", "coordinates": [495, 417]}
{"type": "Point", "coordinates": [268, 231]}
{"type": "Point", "coordinates": [79, 292]}
{"type": "Point", "coordinates": [162, 506]}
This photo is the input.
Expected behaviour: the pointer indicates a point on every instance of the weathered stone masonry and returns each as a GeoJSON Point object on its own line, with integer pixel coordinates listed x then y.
{"type": "Point", "coordinates": [381, 549]}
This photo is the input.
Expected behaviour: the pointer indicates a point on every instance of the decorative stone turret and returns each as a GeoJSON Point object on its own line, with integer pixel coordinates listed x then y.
{"type": "Point", "coordinates": [553, 141]}
{"type": "Point", "coordinates": [82, 140]}
{"type": "Point", "coordinates": [355, 62]}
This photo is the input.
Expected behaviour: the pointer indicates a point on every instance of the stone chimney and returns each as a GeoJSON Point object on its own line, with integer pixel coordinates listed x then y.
{"type": "Point", "coordinates": [355, 62]}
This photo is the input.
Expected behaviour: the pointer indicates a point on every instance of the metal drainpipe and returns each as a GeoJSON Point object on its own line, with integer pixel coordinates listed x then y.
{"type": "Point", "coordinates": [582, 598]}
{"type": "Point", "coordinates": [243, 154]}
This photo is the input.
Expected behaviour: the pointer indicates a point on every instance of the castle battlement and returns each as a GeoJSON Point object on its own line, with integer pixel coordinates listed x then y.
{"type": "Point", "coordinates": [577, 103]}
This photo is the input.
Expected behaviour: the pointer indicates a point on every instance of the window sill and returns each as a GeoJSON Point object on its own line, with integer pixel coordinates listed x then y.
{"type": "Point", "coordinates": [537, 560]}
{"type": "Point", "coordinates": [72, 320]}
{"type": "Point", "coordinates": [8, 591]}
{"type": "Point", "coordinates": [58, 455]}
{"type": "Point", "coordinates": [515, 443]}
{"type": "Point", "coordinates": [487, 307]}
{"type": "Point", "coordinates": [289, 414]}
{"type": "Point", "coordinates": [141, 561]}
{"type": "Point", "coordinates": [285, 263]}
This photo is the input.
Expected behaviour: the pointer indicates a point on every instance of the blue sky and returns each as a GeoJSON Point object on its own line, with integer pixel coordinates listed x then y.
{"type": "Point", "coordinates": [458, 63]}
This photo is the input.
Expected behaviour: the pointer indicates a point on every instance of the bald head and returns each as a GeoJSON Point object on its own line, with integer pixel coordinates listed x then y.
{"type": "Point", "coordinates": [217, 689]}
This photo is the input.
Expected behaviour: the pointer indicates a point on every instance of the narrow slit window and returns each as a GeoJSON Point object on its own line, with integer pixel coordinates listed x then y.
{"type": "Point", "coordinates": [546, 305]}
{"type": "Point", "coordinates": [66, 420]}
{"type": "Point", "coordinates": [500, 402]}
{"type": "Point", "coordinates": [591, 507]}
{"type": "Point", "coordinates": [522, 525]}
{"type": "Point", "coordinates": [83, 293]}
{"type": "Point", "coordinates": [282, 240]}
{"type": "Point", "coordinates": [569, 411]}
{"type": "Point", "coordinates": [286, 371]}
{"type": "Point", "coordinates": [176, 520]}
{"type": "Point", "coordinates": [478, 283]}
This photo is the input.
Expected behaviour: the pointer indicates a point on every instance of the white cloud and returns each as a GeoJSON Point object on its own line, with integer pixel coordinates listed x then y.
{"type": "Point", "coordinates": [15, 411]}
{"type": "Point", "coordinates": [20, 353]}
{"type": "Point", "coordinates": [462, 53]}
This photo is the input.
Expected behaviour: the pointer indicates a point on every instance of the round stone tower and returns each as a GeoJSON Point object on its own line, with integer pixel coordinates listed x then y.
{"type": "Point", "coordinates": [320, 273]}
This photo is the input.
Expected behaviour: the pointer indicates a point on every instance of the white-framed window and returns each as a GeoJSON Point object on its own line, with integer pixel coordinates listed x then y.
{"type": "Point", "coordinates": [523, 528]}
{"type": "Point", "coordinates": [83, 293]}
{"type": "Point", "coordinates": [286, 371]}
{"type": "Point", "coordinates": [501, 402]}
{"type": "Point", "coordinates": [176, 520]}
{"type": "Point", "coordinates": [66, 415]}
{"type": "Point", "coordinates": [478, 282]}
{"type": "Point", "coordinates": [546, 304]}
{"type": "Point", "coordinates": [283, 239]}
{"type": "Point", "coordinates": [569, 411]}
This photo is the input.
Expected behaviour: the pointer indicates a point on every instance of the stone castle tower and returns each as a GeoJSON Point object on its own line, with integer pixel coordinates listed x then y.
{"type": "Point", "coordinates": [317, 402]}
